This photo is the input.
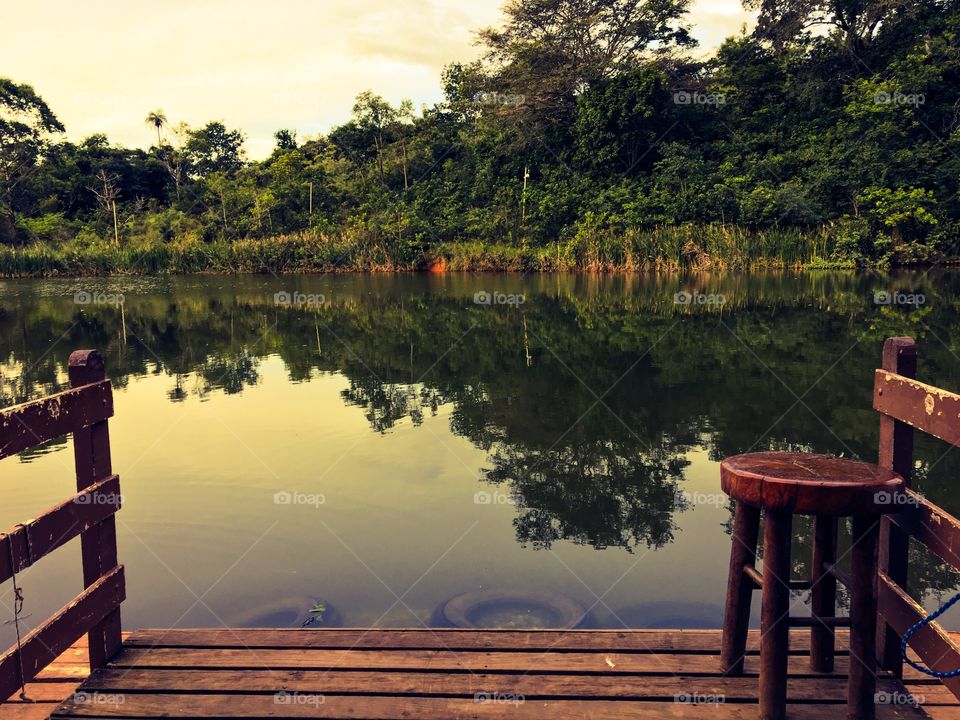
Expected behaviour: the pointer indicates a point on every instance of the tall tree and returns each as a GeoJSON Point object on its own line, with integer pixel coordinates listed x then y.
{"type": "Point", "coordinates": [173, 158]}
{"type": "Point", "coordinates": [549, 50]}
{"type": "Point", "coordinates": [374, 115]}
{"type": "Point", "coordinates": [157, 119]}
{"type": "Point", "coordinates": [106, 192]}
{"type": "Point", "coordinates": [286, 139]}
{"type": "Point", "coordinates": [405, 120]}
{"type": "Point", "coordinates": [214, 149]}
{"type": "Point", "coordinates": [26, 124]}
{"type": "Point", "coordinates": [783, 22]}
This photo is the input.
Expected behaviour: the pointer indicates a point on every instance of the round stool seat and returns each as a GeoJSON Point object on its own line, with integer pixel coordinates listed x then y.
{"type": "Point", "coordinates": [810, 484]}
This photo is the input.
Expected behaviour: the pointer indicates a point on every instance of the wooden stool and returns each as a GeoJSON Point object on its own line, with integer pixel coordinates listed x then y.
{"type": "Point", "coordinates": [827, 487]}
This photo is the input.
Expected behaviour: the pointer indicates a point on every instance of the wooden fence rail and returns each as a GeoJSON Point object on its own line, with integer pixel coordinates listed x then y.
{"type": "Point", "coordinates": [28, 425]}
{"type": "Point", "coordinates": [82, 411]}
{"type": "Point", "coordinates": [906, 405]}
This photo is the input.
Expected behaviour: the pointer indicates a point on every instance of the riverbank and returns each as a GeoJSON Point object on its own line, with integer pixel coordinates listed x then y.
{"type": "Point", "coordinates": [707, 247]}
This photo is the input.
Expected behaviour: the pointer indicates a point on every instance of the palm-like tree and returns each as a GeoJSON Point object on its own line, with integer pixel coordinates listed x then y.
{"type": "Point", "coordinates": [158, 120]}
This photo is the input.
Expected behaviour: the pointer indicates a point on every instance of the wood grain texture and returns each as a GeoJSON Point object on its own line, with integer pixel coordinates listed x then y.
{"type": "Point", "coordinates": [810, 484]}
{"type": "Point", "coordinates": [25, 544]}
{"type": "Point", "coordinates": [24, 426]}
{"type": "Point", "coordinates": [98, 544]}
{"type": "Point", "coordinates": [659, 684]}
{"type": "Point", "coordinates": [45, 643]}
{"type": "Point", "coordinates": [924, 407]}
{"type": "Point", "coordinates": [896, 453]}
{"type": "Point", "coordinates": [935, 647]}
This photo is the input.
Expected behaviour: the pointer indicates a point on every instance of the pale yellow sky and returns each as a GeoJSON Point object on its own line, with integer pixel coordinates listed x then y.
{"type": "Point", "coordinates": [103, 65]}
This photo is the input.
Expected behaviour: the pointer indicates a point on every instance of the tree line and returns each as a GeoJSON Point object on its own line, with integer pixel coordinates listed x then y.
{"type": "Point", "coordinates": [590, 131]}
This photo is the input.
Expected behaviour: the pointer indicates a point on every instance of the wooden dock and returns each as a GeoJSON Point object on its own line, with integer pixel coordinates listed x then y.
{"type": "Point", "coordinates": [445, 674]}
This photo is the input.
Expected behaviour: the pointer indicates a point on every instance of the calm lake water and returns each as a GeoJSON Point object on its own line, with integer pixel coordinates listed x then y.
{"type": "Point", "coordinates": [383, 444]}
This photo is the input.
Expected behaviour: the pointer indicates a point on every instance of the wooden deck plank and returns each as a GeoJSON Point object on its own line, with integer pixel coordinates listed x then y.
{"type": "Point", "coordinates": [666, 641]}
{"type": "Point", "coordinates": [383, 708]}
{"type": "Point", "coordinates": [942, 712]}
{"type": "Point", "coordinates": [46, 691]}
{"type": "Point", "coordinates": [27, 711]}
{"type": "Point", "coordinates": [58, 671]}
{"type": "Point", "coordinates": [414, 674]}
{"type": "Point", "coordinates": [441, 660]}
{"type": "Point", "coordinates": [826, 689]}
{"type": "Point", "coordinates": [931, 693]}
{"type": "Point", "coordinates": [695, 642]}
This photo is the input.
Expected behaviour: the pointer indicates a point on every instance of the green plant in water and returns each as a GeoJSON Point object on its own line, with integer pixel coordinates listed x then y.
{"type": "Point", "coordinates": [316, 614]}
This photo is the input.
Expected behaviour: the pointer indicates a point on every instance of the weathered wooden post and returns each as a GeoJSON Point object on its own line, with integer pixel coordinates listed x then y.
{"type": "Point", "coordinates": [98, 545]}
{"type": "Point", "coordinates": [896, 453]}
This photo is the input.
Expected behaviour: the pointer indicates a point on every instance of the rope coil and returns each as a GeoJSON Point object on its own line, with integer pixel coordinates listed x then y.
{"type": "Point", "coordinates": [923, 623]}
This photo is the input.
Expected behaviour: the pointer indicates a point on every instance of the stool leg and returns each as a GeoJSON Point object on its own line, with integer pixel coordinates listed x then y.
{"type": "Point", "coordinates": [736, 616]}
{"type": "Point", "coordinates": [862, 681]}
{"type": "Point", "coordinates": [774, 614]}
{"type": "Point", "coordinates": [823, 594]}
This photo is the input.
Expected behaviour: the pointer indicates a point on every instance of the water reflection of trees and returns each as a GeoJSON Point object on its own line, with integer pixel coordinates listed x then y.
{"type": "Point", "coordinates": [787, 360]}
{"type": "Point", "coordinates": [595, 493]}
{"type": "Point", "coordinates": [385, 405]}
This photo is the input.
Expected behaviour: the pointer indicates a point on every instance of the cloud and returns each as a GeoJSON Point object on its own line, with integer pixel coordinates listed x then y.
{"type": "Point", "coordinates": [716, 20]}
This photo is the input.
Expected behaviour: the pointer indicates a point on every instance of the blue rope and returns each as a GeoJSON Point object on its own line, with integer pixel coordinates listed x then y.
{"type": "Point", "coordinates": [926, 621]}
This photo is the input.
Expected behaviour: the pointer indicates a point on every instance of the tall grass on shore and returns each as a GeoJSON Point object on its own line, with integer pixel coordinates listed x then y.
{"type": "Point", "coordinates": [685, 247]}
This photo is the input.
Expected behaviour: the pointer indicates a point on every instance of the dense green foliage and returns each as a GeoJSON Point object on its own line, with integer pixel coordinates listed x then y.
{"type": "Point", "coordinates": [591, 135]}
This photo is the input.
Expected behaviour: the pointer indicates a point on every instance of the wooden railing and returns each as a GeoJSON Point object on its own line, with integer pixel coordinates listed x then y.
{"type": "Point", "coordinates": [83, 411]}
{"type": "Point", "coordinates": [906, 404]}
